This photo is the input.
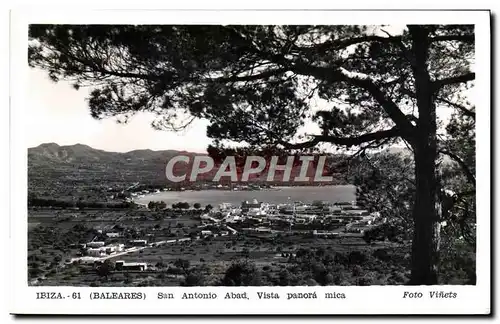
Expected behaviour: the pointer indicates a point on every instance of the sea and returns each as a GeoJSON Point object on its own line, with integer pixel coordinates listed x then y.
{"type": "Point", "coordinates": [277, 195]}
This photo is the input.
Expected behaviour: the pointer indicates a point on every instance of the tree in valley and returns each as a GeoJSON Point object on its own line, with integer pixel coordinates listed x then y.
{"type": "Point", "coordinates": [241, 273]}
{"type": "Point", "coordinates": [195, 278]}
{"type": "Point", "coordinates": [157, 205]}
{"type": "Point", "coordinates": [183, 264]}
{"type": "Point", "coordinates": [105, 269]}
{"type": "Point", "coordinates": [363, 86]}
{"type": "Point", "coordinates": [184, 205]}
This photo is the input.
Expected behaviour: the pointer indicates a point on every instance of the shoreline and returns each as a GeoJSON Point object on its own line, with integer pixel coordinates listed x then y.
{"type": "Point", "coordinates": [221, 196]}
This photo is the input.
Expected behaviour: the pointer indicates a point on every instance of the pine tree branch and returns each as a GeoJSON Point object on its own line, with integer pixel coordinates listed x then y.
{"type": "Point", "coordinates": [251, 77]}
{"type": "Point", "coordinates": [470, 176]}
{"type": "Point", "coordinates": [347, 141]}
{"type": "Point", "coordinates": [452, 80]}
{"type": "Point", "coordinates": [335, 75]}
{"type": "Point", "coordinates": [465, 111]}
{"type": "Point", "coordinates": [460, 38]}
{"type": "Point", "coordinates": [338, 44]}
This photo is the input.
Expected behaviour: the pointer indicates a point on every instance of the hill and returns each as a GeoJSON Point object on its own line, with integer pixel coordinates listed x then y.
{"type": "Point", "coordinates": [65, 170]}
{"type": "Point", "coordinates": [82, 171]}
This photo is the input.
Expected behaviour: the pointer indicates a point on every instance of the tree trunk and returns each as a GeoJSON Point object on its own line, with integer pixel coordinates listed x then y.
{"type": "Point", "coordinates": [425, 245]}
{"type": "Point", "coordinates": [426, 235]}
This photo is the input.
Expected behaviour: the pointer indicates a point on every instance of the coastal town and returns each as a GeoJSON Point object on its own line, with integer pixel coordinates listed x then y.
{"type": "Point", "coordinates": [166, 240]}
{"type": "Point", "coordinates": [318, 219]}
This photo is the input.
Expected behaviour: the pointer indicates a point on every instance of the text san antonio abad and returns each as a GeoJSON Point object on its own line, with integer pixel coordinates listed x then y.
{"type": "Point", "coordinates": [244, 295]}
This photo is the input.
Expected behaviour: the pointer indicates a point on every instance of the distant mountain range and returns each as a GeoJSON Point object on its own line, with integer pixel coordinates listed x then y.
{"type": "Point", "coordinates": [67, 170]}
{"type": "Point", "coordinates": [52, 167]}
{"type": "Point", "coordinates": [83, 153]}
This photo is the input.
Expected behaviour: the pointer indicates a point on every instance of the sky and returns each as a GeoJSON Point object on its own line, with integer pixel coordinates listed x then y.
{"type": "Point", "coordinates": [57, 113]}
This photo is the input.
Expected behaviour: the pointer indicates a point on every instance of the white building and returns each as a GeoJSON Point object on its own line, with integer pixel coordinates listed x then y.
{"type": "Point", "coordinates": [139, 242]}
{"type": "Point", "coordinates": [205, 216]}
{"type": "Point", "coordinates": [96, 252]}
{"type": "Point", "coordinates": [325, 233]}
{"type": "Point", "coordinates": [255, 212]}
{"type": "Point", "coordinates": [85, 260]}
{"type": "Point", "coordinates": [305, 217]}
{"type": "Point", "coordinates": [225, 206]}
{"type": "Point", "coordinates": [115, 248]}
{"type": "Point", "coordinates": [301, 208]}
{"type": "Point", "coordinates": [356, 212]}
{"type": "Point", "coordinates": [255, 208]}
{"type": "Point", "coordinates": [206, 233]}
{"type": "Point", "coordinates": [231, 218]}
{"type": "Point", "coordinates": [136, 266]}
{"type": "Point", "coordinates": [334, 209]}
{"type": "Point", "coordinates": [95, 244]}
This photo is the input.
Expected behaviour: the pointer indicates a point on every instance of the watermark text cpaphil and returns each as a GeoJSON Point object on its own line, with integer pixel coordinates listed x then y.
{"type": "Point", "coordinates": [304, 168]}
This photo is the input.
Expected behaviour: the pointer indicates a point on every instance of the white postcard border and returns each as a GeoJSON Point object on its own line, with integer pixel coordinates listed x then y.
{"type": "Point", "coordinates": [360, 300]}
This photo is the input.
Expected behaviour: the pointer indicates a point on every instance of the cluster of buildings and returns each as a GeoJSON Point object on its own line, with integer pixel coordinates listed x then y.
{"type": "Point", "coordinates": [98, 250]}
{"type": "Point", "coordinates": [347, 216]}
{"type": "Point", "coordinates": [321, 219]}
{"type": "Point", "coordinates": [130, 266]}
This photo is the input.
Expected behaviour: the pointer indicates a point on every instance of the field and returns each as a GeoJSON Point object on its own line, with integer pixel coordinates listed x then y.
{"type": "Point", "coordinates": [52, 235]}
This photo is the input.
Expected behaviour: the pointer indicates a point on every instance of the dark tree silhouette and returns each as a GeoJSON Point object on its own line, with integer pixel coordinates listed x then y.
{"type": "Point", "coordinates": [194, 278]}
{"type": "Point", "coordinates": [104, 269]}
{"type": "Point", "coordinates": [259, 84]}
{"type": "Point", "coordinates": [241, 273]}
{"type": "Point", "coordinates": [385, 183]}
{"type": "Point", "coordinates": [183, 264]}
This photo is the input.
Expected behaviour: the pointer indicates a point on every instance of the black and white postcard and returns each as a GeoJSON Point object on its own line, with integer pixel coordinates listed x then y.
{"type": "Point", "coordinates": [250, 162]}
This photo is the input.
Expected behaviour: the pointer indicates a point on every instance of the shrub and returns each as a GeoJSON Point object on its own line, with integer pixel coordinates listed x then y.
{"type": "Point", "coordinates": [194, 278]}
{"type": "Point", "coordinates": [368, 279]}
{"type": "Point", "coordinates": [329, 279]}
{"type": "Point", "coordinates": [284, 278]}
{"type": "Point", "coordinates": [242, 273]}
{"type": "Point", "coordinates": [363, 281]}
{"type": "Point", "coordinates": [303, 253]}
{"type": "Point", "coordinates": [182, 264]}
{"type": "Point", "coordinates": [398, 278]}
{"type": "Point", "coordinates": [34, 265]}
{"type": "Point", "coordinates": [357, 271]}
{"type": "Point", "coordinates": [35, 272]}
{"type": "Point", "coordinates": [382, 254]}
{"type": "Point", "coordinates": [341, 258]}
{"type": "Point", "coordinates": [357, 257]}
{"type": "Point", "coordinates": [311, 282]}
{"type": "Point", "coordinates": [338, 278]}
